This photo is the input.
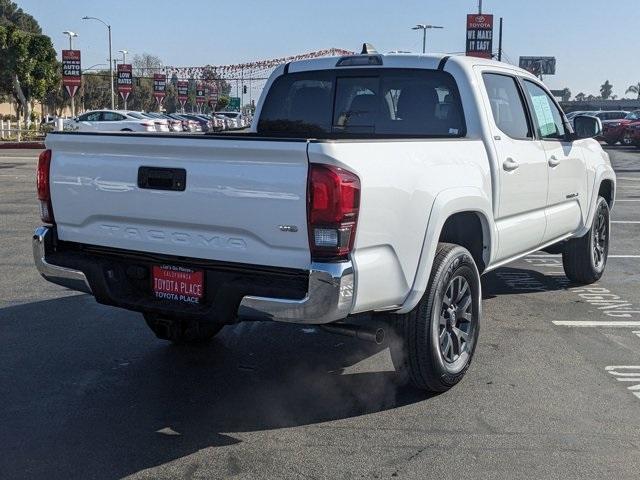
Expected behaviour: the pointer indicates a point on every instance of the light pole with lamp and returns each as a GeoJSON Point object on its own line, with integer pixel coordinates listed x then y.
{"type": "Point", "coordinates": [424, 28]}
{"type": "Point", "coordinates": [72, 35]}
{"type": "Point", "coordinates": [73, 101]}
{"type": "Point", "coordinates": [110, 57]}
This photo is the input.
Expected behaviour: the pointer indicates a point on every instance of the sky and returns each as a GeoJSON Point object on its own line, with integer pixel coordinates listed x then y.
{"type": "Point", "coordinates": [592, 40]}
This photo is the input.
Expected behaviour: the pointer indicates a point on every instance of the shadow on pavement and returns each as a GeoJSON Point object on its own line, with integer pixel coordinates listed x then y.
{"type": "Point", "coordinates": [86, 388]}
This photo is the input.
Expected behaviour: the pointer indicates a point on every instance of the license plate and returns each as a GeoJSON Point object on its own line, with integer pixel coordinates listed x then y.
{"type": "Point", "coordinates": [180, 284]}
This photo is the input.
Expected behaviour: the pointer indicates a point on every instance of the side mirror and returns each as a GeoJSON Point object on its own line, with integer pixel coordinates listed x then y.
{"type": "Point", "coordinates": [585, 126]}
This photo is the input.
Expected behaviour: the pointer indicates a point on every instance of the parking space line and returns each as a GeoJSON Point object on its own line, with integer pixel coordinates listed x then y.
{"type": "Point", "coordinates": [597, 323]}
{"type": "Point", "coordinates": [625, 221]}
{"type": "Point", "coordinates": [628, 200]}
{"type": "Point", "coordinates": [551, 255]}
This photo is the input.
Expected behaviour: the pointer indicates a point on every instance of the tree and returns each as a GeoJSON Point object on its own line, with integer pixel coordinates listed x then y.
{"type": "Point", "coordinates": [605, 90]}
{"type": "Point", "coordinates": [141, 97]}
{"type": "Point", "coordinates": [95, 92]}
{"type": "Point", "coordinates": [566, 95]}
{"type": "Point", "coordinates": [28, 66]}
{"type": "Point", "coordinates": [10, 14]}
{"type": "Point", "coordinates": [634, 89]}
{"type": "Point", "coordinates": [580, 97]}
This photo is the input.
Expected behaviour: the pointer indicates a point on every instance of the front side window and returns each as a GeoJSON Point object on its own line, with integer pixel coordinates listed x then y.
{"type": "Point", "coordinates": [507, 105]}
{"type": "Point", "coordinates": [365, 102]}
{"type": "Point", "coordinates": [546, 115]}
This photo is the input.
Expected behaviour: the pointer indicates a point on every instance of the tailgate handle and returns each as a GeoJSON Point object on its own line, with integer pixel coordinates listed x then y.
{"type": "Point", "coordinates": [156, 178]}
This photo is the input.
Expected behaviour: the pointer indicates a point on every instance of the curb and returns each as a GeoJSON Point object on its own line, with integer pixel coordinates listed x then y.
{"type": "Point", "coordinates": [25, 145]}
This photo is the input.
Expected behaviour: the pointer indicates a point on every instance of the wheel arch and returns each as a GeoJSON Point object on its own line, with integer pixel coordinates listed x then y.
{"type": "Point", "coordinates": [605, 185]}
{"type": "Point", "coordinates": [456, 214]}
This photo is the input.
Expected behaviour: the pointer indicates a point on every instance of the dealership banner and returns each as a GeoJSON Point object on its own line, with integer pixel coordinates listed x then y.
{"type": "Point", "coordinates": [125, 80]}
{"type": "Point", "coordinates": [480, 35]}
{"type": "Point", "coordinates": [213, 95]}
{"type": "Point", "coordinates": [183, 91]}
{"type": "Point", "coordinates": [200, 94]}
{"type": "Point", "coordinates": [159, 87]}
{"type": "Point", "coordinates": [71, 72]}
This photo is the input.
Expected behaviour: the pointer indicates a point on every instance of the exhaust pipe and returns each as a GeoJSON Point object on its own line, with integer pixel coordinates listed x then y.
{"type": "Point", "coordinates": [375, 335]}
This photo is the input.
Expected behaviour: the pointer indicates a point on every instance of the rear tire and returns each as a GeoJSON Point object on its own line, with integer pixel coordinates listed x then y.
{"type": "Point", "coordinates": [181, 331]}
{"type": "Point", "coordinates": [611, 143]}
{"type": "Point", "coordinates": [585, 258]}
{"type": "Point", "coordinates": [440, 333]}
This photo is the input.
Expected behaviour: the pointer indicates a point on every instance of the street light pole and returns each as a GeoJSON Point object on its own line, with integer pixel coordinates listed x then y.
{"type": "Point", "coordinates": [113, 97]}
{"type": "Point", "coordinates": [424, 28]}
{"type": "Point", "coordinates": [110, 58]}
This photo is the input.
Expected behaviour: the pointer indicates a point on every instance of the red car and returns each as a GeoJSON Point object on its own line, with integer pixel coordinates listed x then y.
{"type": "Point", "coordinates": [632, 132]}
{"type": "Point", "coordinates": [614, 131]}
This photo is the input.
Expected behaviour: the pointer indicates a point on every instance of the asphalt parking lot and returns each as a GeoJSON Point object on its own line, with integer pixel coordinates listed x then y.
{"type": "Point", "coordinates": [88, 392]}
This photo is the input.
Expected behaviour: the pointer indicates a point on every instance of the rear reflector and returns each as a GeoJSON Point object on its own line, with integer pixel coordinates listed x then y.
{"type": "Point", "coordinates": [333, 198]}
{"type": "Point", "coordinates": [43, 186]}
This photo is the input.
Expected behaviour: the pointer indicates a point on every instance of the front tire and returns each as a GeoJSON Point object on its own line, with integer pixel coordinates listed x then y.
{"type": "Point", "coordinates": [181, 331]}
{"type": "Point", "coordinates": [441, 332]}
{"type": "Point", "coordinates": [585, 258]}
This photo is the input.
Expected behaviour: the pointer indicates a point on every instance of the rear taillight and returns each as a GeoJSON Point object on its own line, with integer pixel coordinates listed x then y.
{"type": "Point", "coordinates": [147, 124]}
{"type": "Point", "coordinates": [333, 202]}
{"type": "Point", "coordinates": [43, 186]}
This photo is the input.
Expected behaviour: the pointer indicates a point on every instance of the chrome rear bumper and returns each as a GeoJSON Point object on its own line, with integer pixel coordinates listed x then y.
{"type": "Point", "coordinates": [329, 296]}
{"type": "Point", "coordinates": [74, 279]}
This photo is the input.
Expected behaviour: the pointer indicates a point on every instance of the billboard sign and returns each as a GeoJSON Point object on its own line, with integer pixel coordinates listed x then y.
{"type": "Point", "coordinates": [479, 35]}
{"type": "Point", "coordinates": [71, 72]}
{"type": "Point", "coordinates": [125, 80]}
{"type": "Point", "coordinates": [539, 65]}
{"type": "Point", "coordinates": [159, 87]}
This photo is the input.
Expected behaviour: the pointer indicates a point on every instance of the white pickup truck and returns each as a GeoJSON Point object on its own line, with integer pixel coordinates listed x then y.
{"type": "Point", "coordinates": [370, 183]}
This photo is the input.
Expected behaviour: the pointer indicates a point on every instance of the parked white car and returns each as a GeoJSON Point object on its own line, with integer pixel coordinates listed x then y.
{"type": "Point", "coordinates": [232, 119]}
{"type": "Point", "coordinates": [161, 124]}
{"type": "Point", "coordinates": [368, 184]}
{"type": "Point", "coordinates": [110, 121]}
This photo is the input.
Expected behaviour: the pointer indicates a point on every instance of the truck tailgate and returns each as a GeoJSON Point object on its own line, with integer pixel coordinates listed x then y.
{"type": "Point", "coordinates": [237, 195]}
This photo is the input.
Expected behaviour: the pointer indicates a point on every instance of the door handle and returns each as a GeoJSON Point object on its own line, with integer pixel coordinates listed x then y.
{"type": "Point", "coordinates": [510, 164]}
{"type": "Point", "coordinates": [553, 161]}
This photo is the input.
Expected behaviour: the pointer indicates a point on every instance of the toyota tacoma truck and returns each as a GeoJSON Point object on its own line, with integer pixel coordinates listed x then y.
{"type": "Point", "coordinates": [369, 184]}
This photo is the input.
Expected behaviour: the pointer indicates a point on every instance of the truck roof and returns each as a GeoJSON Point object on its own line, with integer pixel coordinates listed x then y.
{"type": "Point", "coordinates": [402, 60]}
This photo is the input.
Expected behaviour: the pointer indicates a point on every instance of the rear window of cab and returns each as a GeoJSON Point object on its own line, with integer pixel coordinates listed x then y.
{"type": "Point", "coordinates": [363, 103]}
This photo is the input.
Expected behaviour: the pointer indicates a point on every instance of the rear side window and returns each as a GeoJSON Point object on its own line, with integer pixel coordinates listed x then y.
{"type": "Point", "coordinates": [371, 102]}
{"type": "Point", "coordinates": [112, 117]}
{"type": "Point", "coordinates": [507, 105]}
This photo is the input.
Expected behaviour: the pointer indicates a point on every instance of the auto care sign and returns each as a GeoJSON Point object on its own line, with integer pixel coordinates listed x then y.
{"type": "Point", "coordinates": [125, 80]}
{"type": "Point", "coordinates": [159, 87]}
{"type": "Point", "coordinates": [183, 91]}
{"type": "Point", "coordinates": [200, 94]}
{"type": "Point", "coordinates": [480, 35]}
{"type": "Point", "coordinates": [71, 72]}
